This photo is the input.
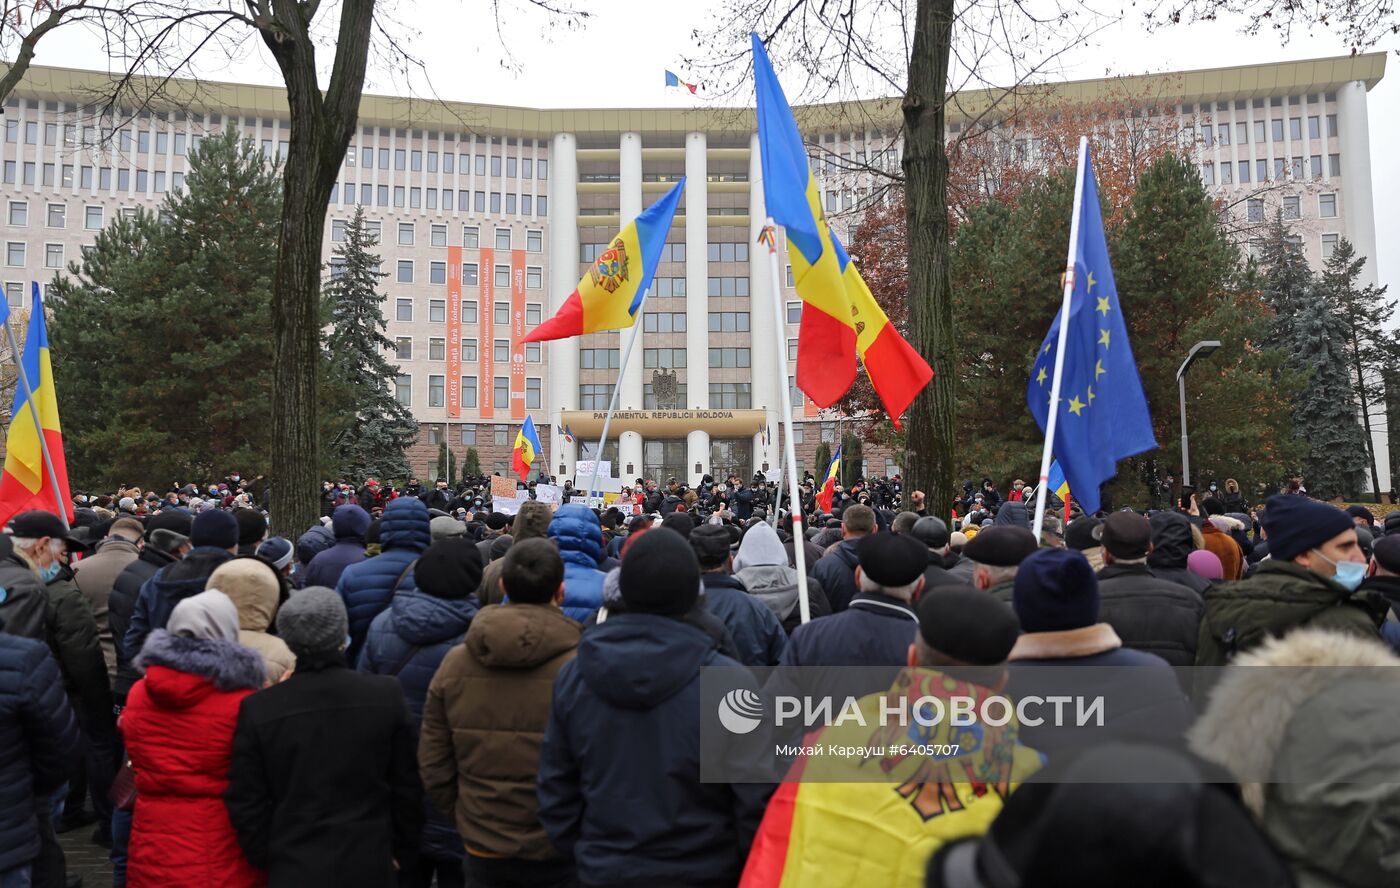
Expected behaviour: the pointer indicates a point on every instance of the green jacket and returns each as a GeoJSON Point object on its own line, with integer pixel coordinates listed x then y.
{"type": "Point", "coordinates": [1280, 597]}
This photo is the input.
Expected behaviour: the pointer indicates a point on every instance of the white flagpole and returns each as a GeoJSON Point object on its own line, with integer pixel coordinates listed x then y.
{"type": "Point", "coordinates": [23, 380]}
{"type": "Point", "coordinates": [789, 452]}
{"type": "Point", "coordinates": [617, 387]}
{"type": "Point", "coordinates": [1054, 412]}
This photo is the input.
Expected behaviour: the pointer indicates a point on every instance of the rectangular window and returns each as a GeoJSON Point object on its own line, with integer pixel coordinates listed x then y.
{"type": "Point", "coordinates": [381, 196]}
{"type": "Point", "coordinates": [794, 312]}
{"type": "Point", "coordinates": [469, 350]}
{"type": "Point", "coordinates": [1296, 168]}
{"type": "Point", "coordinates": [10, 172]}
{"type": "Point", "coordinates": [526, 205]}
{"type": "Point", "coordinates": [1280, 168]}
{"type": "Point", "coordinates": [432, 161]}
{"type": "Point", "coordinates": [1331, 126]}
{"type": "Point", "coordinates": [500, 351]}
{"type": "Point", "coordinates": [405, 234]}
{"type": "Point", "coordinates": [437, 272]}
{"type": "Point", "coordinates": [500, 392]}
{"type": "Point", "coordinates": [372, 232]}
{"type": "Point", "coordinates": [403, 389]}
{"type": "Point", "coordinates": [1244, 171]}
{"type": "Point", "coordinates": [503, 238]}
{"type": "Point", "coordinates": [1291, 207]}
{"type": "Point", "coordinates": [496, 165]}
{"type": "Point", "coordinates": [533, 313]}
{"type": "Point", "coordinates": [14, 293]}
{"type": "Point", "coordinates": [664, 322]}
{"type": "Point", "coordinates": [534, 241]}
{"type": "Point", "coordinates": [19, 212]}
{"type": "Point", "coordinates": [1334, 164]}
{"type": "Point", "coordinates": [665, 358]}
{"type": "Point", "coordinates": [533, 353]}
{"type": "Point", "coordinates": [1208, 174]}
{"type": "Point", "coordinates": [399, 157]}
{"type": "Point", "coordinates": [542, 172]}
{"type": "Point", "coordinates": [542, 206]}
{"type": "Point", "coordinates": [500, 312]}
{"type": "Point", "coordinates": [1256, 209]}
{"type": "Point", "coordinates": [415, 198]}
{"type": "Point", "coordinates": [1329, 244]}
{"type": "Point", "coordinates": [437, 388]}
{"type": "Point", "coordinates": [439, 235]}
{"type": "Point", "coordinates": [415, 161]}
{"type": "Point", "coordinates": [1295, 128]}
{"type": "Point", "coordinates": [1315, 166]}
{"type": "Point", "coordinates": [92, 218]}
{"type": "Point", "coordinates": [471, 237]}
{"type": "Point", "coordinates": [1261, 170]}
{"type": "Point", "coordinates": [729, 322]}
{"type": "Point", "coordinates": [1327, 205]}
{"type": "Point", "coordinates": [532, 393]}
{"type": "Point", "coordinates": [511, 167]}
{"type": "Point", "coordinates": [337, 231]}
{"type": "Point", "coordinates": [594, 397]}
{"type": "Point", "coordinates": [728, 286]}
{"type": "Point", "coordinates": [1277, 127]}
{"type": "Point", "coordinates": [479, 201]}
{"type": "Point", "coordinates": [14, 254]}
{"type": "Point", "coordinates": [598, 358]}
{"type": "Point", "coordinates": [495, 203]}
{"type": "Point", "coordinates": [403, 348]}
{"type": "Point", "coordinates": [1227, 173]}
{"type": "Point", "coordinates": [448, 162]}
{"type": "Point", "coordinates": [469, 396]}
{"type": "Point", "coordinates": [729, 357]}
{"type": "Point", "coordinates": [1314, 127]}
{"type": "Point", "coordinates": [730, 395]}
{"type": "Point", "coordinates": [104, 179]}
{"type": "Point", "coordinates": [48, 174]}
{"type": "Point", "coordinates": [53, 255]}
{"type": "Point", "coordinates": [502, 278]}
{"type": "Point", "coordinates": [58, 216]}
{"type": "Point", "coordinates": [792, 356]}
{"type": "Point", "coordinates": [534, 278]}
{"type": "Point", "coordinates": [400, 193]}
{"type": "Point", "coordinates": [405, 271]}
{"type": "Point", "coordinates": [469, 273]}
{"type": "Point", "coordinates": [437, 311]}
{"type": "Point", "coordinates": [404, 309]}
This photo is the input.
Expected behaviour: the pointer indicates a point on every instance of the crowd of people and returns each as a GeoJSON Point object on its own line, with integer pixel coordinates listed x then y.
{"type": "Point", "coordinates": [420, 690]}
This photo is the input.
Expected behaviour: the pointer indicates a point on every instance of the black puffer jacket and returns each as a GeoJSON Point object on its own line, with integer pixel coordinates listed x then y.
{"type": "Point", "coordinates": [1171, 544]}
{"type": "Point", "coordinates": [1150, 614]}
{"type": "Point", "coordinates": [120, 606]}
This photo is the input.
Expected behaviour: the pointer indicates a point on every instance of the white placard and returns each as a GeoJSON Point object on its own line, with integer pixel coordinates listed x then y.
{"type": "Point", "coordinates": [509, 505]}
{"type": "Point", "coordinates": [548, 493]}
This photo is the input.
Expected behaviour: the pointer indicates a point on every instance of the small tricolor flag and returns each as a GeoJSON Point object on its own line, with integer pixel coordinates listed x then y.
{"type": "Point", "coordinates": [1057, 484]}
{"type": "Point", "coordinates": [564, 433]}
{"type": "Point", "coordinates": [840, 317]}
{"type": "Point", "coordinates": [673, 80]}
{"type": "Point", "coordinates": [828, 489]}
{"type": "Point", "coordinates": [527, 447]}
{"type": "Point", "coordinates": [25, 483]}
{"type": "Point", "coordinates": [610, 295]}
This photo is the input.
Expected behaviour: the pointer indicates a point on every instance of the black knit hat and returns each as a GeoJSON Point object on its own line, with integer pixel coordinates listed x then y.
{"type": "Point", "coordinates": [450, 568]}
{"type": "Point", "coordinates": [660, 574]}
{"type": "Point", "coordinates": [967, 624]}
{"type": "Point", "coordinates": [252, 526]}
{"type": "Point", "coordinates": [711, 544]}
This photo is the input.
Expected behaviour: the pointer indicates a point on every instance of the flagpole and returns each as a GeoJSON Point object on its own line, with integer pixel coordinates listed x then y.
{"type": "Point", "coordinates": [617, 388]}
{"type": "Point", "coordinates": [789, 451]}
{"type": "Point", "coordinates": [38, 426]}
{"type": "Point", "coordinates": [1054, 411]}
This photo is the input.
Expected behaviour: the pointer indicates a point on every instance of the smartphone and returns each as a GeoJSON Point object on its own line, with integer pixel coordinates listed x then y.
{"type": "Point", "coordinates": [1187, 491]}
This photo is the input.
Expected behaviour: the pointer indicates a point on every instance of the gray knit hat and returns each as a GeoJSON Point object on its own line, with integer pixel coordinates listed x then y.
{"type": "Point", "coordinates": [313, 621]}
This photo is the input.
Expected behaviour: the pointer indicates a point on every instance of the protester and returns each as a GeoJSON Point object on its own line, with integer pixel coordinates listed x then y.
{"type": "Point", "coordinates": [531, 522]}
{"type": "Point", "coordinates": [579, 536]}
{"type": "Point", "coordinates": [1083, 535]}
{"type": "Point", "coordinates": [254, 588]}
{"type": "Point", "coordinates": [761, 567]}
{"type": "Point", "coordinates": [252, 530]}
{"type": "Point", "coordinates": [444, 527]}
{"type": "Point", "coordinates": [1172, 545]}
{"type": "Point", "coordinates": [279, 552]}
{"type": "Point", "coordinates": [623, 725]}
{"type": "Point", "coordinates": [836, 569]}
{"type": "Point", "coordinates": [484, 722]}
{"type": "Point", "coordinates": [996, 555]}
{"type": "Point", "coordinates": [213, 540]}
{"type": "Point", "coordinates": [166, 542]}
{"type": "Point", "coordinates": [349, 523]}
{"type": "Point", "coordinates": [367, 587]}
{"type": "Point", "coordinates": [178, 726]}
{"type": "Point", "coordinates": [97, 573]}
{"type": "Point", "coordinates": [323, 784]}
{"type": "Point", "coordinates": [1206, 565]}
{"type": "Point", "coordinates": [1147, 613]}
{"type": "Point", "coordinates": [1219, 541]}
{"type": "Point", "coordinates": [756, 631]}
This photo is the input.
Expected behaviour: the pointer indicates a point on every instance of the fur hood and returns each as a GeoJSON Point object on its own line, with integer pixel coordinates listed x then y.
{"type": "Point", "coordinates": [1226, 524]}
{"type": "Point", "coordinates": [227, 665]}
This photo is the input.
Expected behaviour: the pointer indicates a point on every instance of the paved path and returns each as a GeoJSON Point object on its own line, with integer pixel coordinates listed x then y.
{"type": "Point", "coordinates": [86, 858]}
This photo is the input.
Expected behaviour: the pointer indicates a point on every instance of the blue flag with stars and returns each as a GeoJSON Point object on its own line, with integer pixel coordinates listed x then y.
{"type": "Point", "coordinates": [1103, 412]}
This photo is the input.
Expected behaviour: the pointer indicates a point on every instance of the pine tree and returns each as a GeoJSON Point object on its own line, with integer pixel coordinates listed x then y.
{"type": "Point", "coordinates": [380, 429]}
{"type": "Point", "coordinates": [851, 458]}
{"type": "Point", "coordinates": [471, 464]}
{"type": "Point", "coordinates": [445, 465]}
{"type": "Point", "coordinates": [1370, 346]}
{"type": "Point", "coordinates": [823, 459]}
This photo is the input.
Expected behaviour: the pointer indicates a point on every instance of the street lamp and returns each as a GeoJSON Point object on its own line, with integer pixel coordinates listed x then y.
{"type": "Point", "coordinates": [1199, 350]}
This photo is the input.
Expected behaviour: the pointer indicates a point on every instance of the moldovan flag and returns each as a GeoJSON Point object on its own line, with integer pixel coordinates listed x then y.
{"type": "Point", "coordinates": [840, 317]}
{"type": "Point", "coordinates": [828, 488]}
{"type": "Point", "coordinates": [610, 295]}
{"type": "Point", "coordinates": [25, 483]}
{"type": "Point", "coordinates": [527, 447]}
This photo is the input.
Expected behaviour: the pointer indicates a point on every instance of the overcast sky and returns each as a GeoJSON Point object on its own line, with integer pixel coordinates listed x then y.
{"type": "Point", "coordinates": [619, 57]}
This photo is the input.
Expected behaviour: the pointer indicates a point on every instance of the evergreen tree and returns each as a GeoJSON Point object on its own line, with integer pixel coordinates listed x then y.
{"type": "Point", "coordinates": [378, 428]}
{"type": "Point", "coordinates": [823, 460]}
{"type": "Point", "coordinates": [851, 458]}
{"type": "Point", "coordinates": [1315, 337]}
{"type": "Point", "coordinates": [471, 464]}
{"type": "Point", "coordinates": [1370, 346]}
{"type": "Point", "coordinates": [445, 465]}
{"type": "Point", "coordinates": [161, 355]}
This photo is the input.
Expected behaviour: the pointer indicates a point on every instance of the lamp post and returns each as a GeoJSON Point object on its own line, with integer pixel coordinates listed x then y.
{"type": "Point", "coordinates": [1199, 350]}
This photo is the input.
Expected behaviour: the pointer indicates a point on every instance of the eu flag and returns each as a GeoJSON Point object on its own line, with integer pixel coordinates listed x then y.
{"type": "Point", "coordinates": [1103, 413]}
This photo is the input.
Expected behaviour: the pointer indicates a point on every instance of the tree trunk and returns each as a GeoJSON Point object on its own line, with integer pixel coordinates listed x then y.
{"type": "Point", "coordinates": [1366, 416]}
{"type": "Point", "coordinates": [931, 417]}
{"type": "Point", "coordinates": [321, 127]}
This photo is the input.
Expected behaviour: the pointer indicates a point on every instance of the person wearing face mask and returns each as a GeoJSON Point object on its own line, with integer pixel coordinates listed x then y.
{"type": "Point", "coordinates": [1310, 578]}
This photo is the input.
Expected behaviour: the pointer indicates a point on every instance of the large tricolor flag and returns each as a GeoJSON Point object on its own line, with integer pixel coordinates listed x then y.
{"type": "Point", "coordinates": [828, 488]}
{"type": "Point", "coordinates": [527, 447]}
{"type": "Point", "coordinates": [840, 317]}
{"type": "Point", "coordinates": [25, 483]}
{"type": "Point", "coordinates": [610, 294]}
{"type": "Point", "coordinates": [673, 80]}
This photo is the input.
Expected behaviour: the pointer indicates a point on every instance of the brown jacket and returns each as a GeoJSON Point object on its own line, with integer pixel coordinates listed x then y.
{"type": "Point", "coordinates": [95, 576]}
{"type": "Point", "coordinates": [484, 721]}
{"type": "Point", "coordinates": [531, 521]}
{"type": "Point", "coordinates": [1226, 549]}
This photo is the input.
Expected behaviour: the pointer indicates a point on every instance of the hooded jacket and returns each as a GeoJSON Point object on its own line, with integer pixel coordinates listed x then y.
{"type": "Point", "coordinates": [1013, 514]}
{"type": "Point", "coordinates": [837, 573]}
{"type": "Point", "coordinates": [531, 522]}
{"type": "Point", "coordinates": [619, 777]}
{"type": "Point", "coordinates": [1316, 752]}
{"type": "Point", "coordinates": [757, 633]}
{"type": "Point", "coordinates": [349, 523]}
{"type": "Point", "coordinates": [168, 587]}
{"type": "Point", "coordinates": [1150, 614]}
{"type": "Point", "coordinates": [121, 604]}
{"type": "Point", "coordinates": [1171, 544]}
{"type": "Point", "coordinates": [1225, 548]}
{"type": "Point", "coordinates": [178, 724]}
{"type": "Point", "coordinates": [251, 584]}
{"type": "Point", "coordinates": [367, 587]}
{"type": "Point", "coordinates": [95, 577]}
{"type": "Point", "coordinates": [762, 567]}
{"type": "Point", "coordinates": [484, 723]}
{"type": "Point", "coordinates": [73, 640]}
{"type": "Point", "coordinates": [24, 609]}
{"type": "Point", "coordinates": [579, 536]}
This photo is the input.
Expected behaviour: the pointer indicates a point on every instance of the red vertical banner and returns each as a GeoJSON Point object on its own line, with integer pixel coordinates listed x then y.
{"type": "Point", "coordinates": [454, 332]}
{"type": "Point", "coordinates": [487, 348]}
{"type": "Point", "coordinates": [517, 333]}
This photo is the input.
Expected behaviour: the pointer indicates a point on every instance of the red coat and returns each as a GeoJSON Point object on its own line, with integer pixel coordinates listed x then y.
{"type": "Point", "coordinates": [178, 727]}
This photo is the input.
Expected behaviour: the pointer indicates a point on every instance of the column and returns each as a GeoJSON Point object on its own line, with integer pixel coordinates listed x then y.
{"type": "Point", "coordinates": [1359, 218]}
{"type": "Point", "coordinates": [629, 453]}
{"type": "Point", "coordinates": [562, 354]}
{"type": "Point", "coordinates": [770, 369]}
{"type": "Point", "coordinates": [697, 452]}
{"type": "Point", "coordinates": [630, 187]}
{"type": "Point", "coordinates": [697, 236]}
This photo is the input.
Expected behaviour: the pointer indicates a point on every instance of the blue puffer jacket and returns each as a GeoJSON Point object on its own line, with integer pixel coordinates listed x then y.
{"type": "Point", "coordinates": [367, 587]}
{"type": "Point", "coordinates": [39, 735]}
{"type": "Point", "coordinates": [435, 626]}
{"type": "Point", "coordinates": [579, 536]}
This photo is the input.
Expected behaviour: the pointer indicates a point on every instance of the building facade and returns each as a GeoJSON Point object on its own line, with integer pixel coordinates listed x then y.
{"type": "Point", "coordinates": [488, 215]}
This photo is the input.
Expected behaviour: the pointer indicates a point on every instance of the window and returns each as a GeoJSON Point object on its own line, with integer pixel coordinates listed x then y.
{"type": "Point", "coordinates": [437, 311]}
{"type": "Point", "coordinates": [399, 193]}
{"type": "Point", "coordinates": [532, 393]}
{"type": "Point", "coordinates": [729, 322]}
{"type": "Point", "coordinates": [1256, 209]}
{"type": "Point", "coordinates": [437, 391]}
{"type": "Point", "coordinates": [14, 293]}
{"type": "Point", "coordinates": [469, 349]}
{"type": "Point", "coordinates": [496, 165]}
{"type": "Point", "coordinates": [405, 234]}
{"type": "Point", "coordinates": [512, 167]}
{"type": "Point", "coordinates": [19, 212]}
{"type": "Point", "coordinates": [664, 322]}
{"type": "Point", "coordinates": [415, 161]}
{"type": "Point", "coordinates": [1295, 128]}
{"type": "Point", "coordinates": [500, 392]}
{"type": "Point", "coordinates": [500, 351]}
{"type": "Point", "coordinates": [541, 172]}
{"type": "Point", "coordinates": [1261, 171]}
{"type": "Point", "coordinates": [729, 286]}
{"type": "Point", "coordinates": [468, 432]}
{"type": "Point", "coordinates": [534, 278]}
{"type": "Point", "coordinates": [469, 313]}
{"type": "Point", "coordinates": [433, 162]}
{"type": "Point", "coordinates": [1244, 171]}
{"type": "Point", "coordinates": [372, 230]}
{"type": "Point", "coordinates": [180, 143]}
{"type": "Point", "coordinates": [1327, 205]}
{"type": "Point", "coordinates": [1222, 134]}
{"type": "Point", "coordinates": [403, 310]}
{"type": "Point", "coordinates": [731, 395]}
{"type": "Point", "coordinates": [729, 357]}
{"type": "Point", "coordinates": [495, 203]}
{"type": "Point", "coordinates": [728, 252]}
{"type": "Point", "coordinates": [381, 196]}
{"type": "Point", "coordinates": [500, 436]}
{"type": "Point", "coordinates": [479, 201]}
{"type": "Point", "coordinates": [31, 135]}
{"type": "Point", "coordinates": [14, 254]}
{"type": "Point", "coordinates": [1280, 168]}
{"type": "Point", "coordinates": [437, 272]}
{"type": "Point", "coordinates": [1208, 174]}
{"type": "Point", "coordinates": [92, 218]}
{"type": "Point", "coordinates": [668, 286]}
{"type": "Point", "coordinates": [415, 198]}
{"type": "Point", "coordinates": [502, 278]}
{"type": "Point", "coordinates": [534, 241]}
{"type": "Point", "coordinates": [53, 255]}
{"type": "Point", "coordinates": [510, 203]}
{"type": "Point", "coordinates": [1314, 127]}
{"type": "Point", "coordinates": [1296, 168]}
{"type": "Point", "coordinates": [469, 394]}
{"type": "Point", "coordinates": [1259, 131]}
{"type": "Point", "coordinates": [400, 155]}
{"type": "Point", "coordinates": [1207, 135]}
{"type": "Point", "coordinates": [503, 238]}
{"type": "Point", "coordinates": [649, 396]}
{"type": "Point", "coordinates": [1329, 244]}
{"type": "Point", "coordinates": [1291, 207]}
{"type": "Point", "coordinates": [598, 358]}
{"type": "Point", "coordinates": [666, 358]}
{"type": "Point", "coordinates": [469, 274]}
{"type": "Point", "coordinates": [526, 205]}
{"type": "Point", "coordinates": [434, 432]}
{"type": "Point", "coordinates": [1331, 126]}
{"type": "Point", "coordinates": [1315, 166]}
{"type": "Point", "coordinates": [594, 397]}
{"type": "Point", "coordinates": [84, 177]}
{"type": "Point", "coordinates": [403, 389]}
{"type": "Point", "coordinates": [405, 271]}
{"type": "Point", "coordinates": [500, 314]}
{"type": "Point", "coordinates": [471, 236]}
{"type": "Point", "coordinates": [794, 312]}
{"type": "Point", "coordinates": [104, 179]}
{"type": "Point", "coordinates": [532, 353]}
{"type": "Point", "coordinates": [1227, 173]}
{"type": "Point", "coordinates": [1334, 164]}
{"type": "Point", "coordinates": [403, 348]}
{"type": "Point", "coordinates": [792, 354]}
{"type": "Point", "coordinates": [67, 180]}
{"type": "Point", "coordinates": [542, 204]}
{"type": "Point", "coordinates": [1242, 133]}
{"type": "Point", "coordinates": [338, 230]}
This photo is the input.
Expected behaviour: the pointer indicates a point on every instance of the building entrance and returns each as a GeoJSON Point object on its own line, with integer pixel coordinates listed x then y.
{"type": "Point", "coordinates": [663, 460]}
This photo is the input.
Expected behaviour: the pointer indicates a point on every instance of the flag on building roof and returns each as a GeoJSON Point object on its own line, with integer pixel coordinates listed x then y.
{"type": "Point", "coordinates": [828, 489]}
{"type": "Point", "coordinates": [527, 448]}
{"type": "Point", "coordinates": [673, 80]}
{"type": "Point", "coordinates": [26, 482]}
{"type": "Point", "coordinates": [610, 295]}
